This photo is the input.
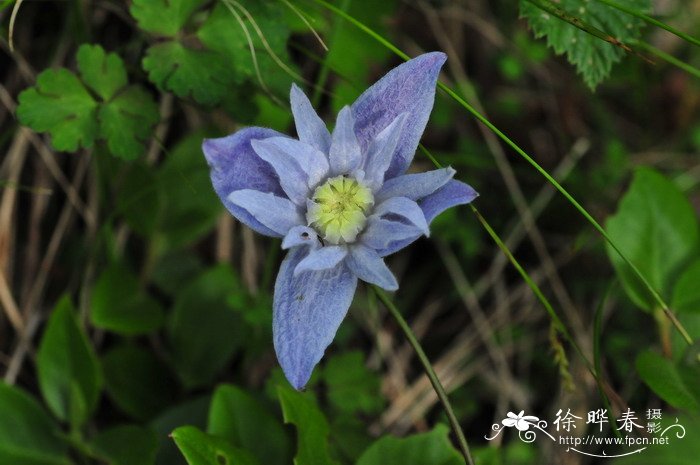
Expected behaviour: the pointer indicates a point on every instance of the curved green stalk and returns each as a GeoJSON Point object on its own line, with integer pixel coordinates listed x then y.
{"type": "Point", "coordinates": [434, 380]}
{"type": "Point", "coordinates": [690, 69]}
{"type": "Point", "coordinates": [650, 20]}
{"type": "Point", "coordinates": [657, 297]}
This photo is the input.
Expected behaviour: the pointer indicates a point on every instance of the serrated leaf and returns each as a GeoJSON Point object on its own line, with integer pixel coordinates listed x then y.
{"type": "Point", "coordinates": [164, 17]}
{"type": "Point", "coordinates": [138, 383]}
{"type": "Point", "coordinates": [103, 72]}
{"type": "Point", "coordinates": [121, 306]}
{"type": "Point", "coordinates": [224, 33]}
{"type": "Point", "coordinates": [433, 447]}
{"type": "Point", "coordinates": [69, 375]}
{"type": "Point", "coordinates": [201, 74]}
{"type": "Point", "coordinates": [126, 445]}
{"type": "Point", "coordinates": [60, 105]}
{"type": "Point", "coordinates": [655, 227]}
{"type": "Point", "coordinates": [592, 56]}
{"type": "Point", "coordinates": [202, 449]}
{"type": "Point", "coordinates": [312, 427]}
{"type": "Point", "coordinates": [203, 331]}
{"type": "Point", "coordinates": [126, 122]}
{"type": "Point", "coordinates": [28, 436]}
{"type": "Point", "coordinates": [666, 379]}
{"type": "Point", "coordinates": [351, 386]}
{"type": "Point", "coordinates": [238, 417]}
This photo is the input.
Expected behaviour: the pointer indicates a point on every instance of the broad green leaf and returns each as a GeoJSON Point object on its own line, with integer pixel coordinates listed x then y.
{"type": "Point", "coordinates": [192, 412]}
{"type": "Point", "coordinates": [60, 105]}
{"type": "Point", "coordinates": [103, 72]}
{"type": "Point", "coordinates": [677, 451]}
{"type": "Point", "coordinates": [224, 33]}
{"type": "Point", "coordinates": [193, 207]}
{"type": "Point", "coordinates": [203, 331]}
{"type": "Point", "coordinates": [69, 375]}
{"type": "Point", "coordinates": [669, 381]}
{"type": "Point", "coordinates": [140, 199]}
{"type": "Point", "coordinates": [137, 382]}
{"type": "Point", "coordinates": [592, 56]}
{"type": "Point", "coordinates": [203, 75]}
{"type": "Point", "coordinates": [686, 293]}
{"type": "Point", "coordinates": [28, 436]}
{"type": "Point", "coordinates": [120, 305]}
{"type": "Point", "coordinates": [312, 428]}
{"type": "Point", "coordinates": [656, 228]}
{"type": "Point", "coordinates": [126, 122]}
{"type": "Point", "coordinates": [203, 449]}
{"type": "Point", "coordinates": [126, 445]}
{"type": "Point", "coordinates": [352, 388]}
{"type": "Point", "coordinates": [164, 17]}
{"type": "Point", "coordinates": [238, 417]}
{"type": "Point", "coordinates": [433, 447]}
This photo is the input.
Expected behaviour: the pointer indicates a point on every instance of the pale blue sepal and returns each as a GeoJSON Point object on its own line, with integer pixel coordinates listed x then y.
{"type": "Point", "coordinates": [370, 267]}
{"type": "Point", "coordinates": [300, 235]}
{"type": "Point", "coordinates": [321, 258]}
{"type": "Point", "coordinates": [381, 151]}
{"type": "Point", "coordinates": [307, 311]}
{"type": "Point", "coordinates": [344, 155]}
{"type": "Point", "coordinates": [414, 186]}
{"type": "Point", "coordinates": [276, 213]}
{"type": "Point", "coordinates": [311, 160]}
{"type": "Point", "coordinates": [310, 128]}
{"type": "Point", "coordinates": [451, 194]}
{"type": "Point", "coordinates": [380, 233]}
{"type": "Point", "coordinates": [406, 208]}
{"type": "Point", "coordinates": [294, 180]}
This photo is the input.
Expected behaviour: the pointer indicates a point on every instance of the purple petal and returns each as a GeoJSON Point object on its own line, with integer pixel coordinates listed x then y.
{"type": "Point", "coordinates": [381, 150]}
{"type": "Point", "coordinates": [380, 233]}
{"type": "Point", "coordinates": [322, 258]}
{"type": "Point", "coordinates": [344, 155]}
{"type": "Point", "coordinates": [276, 213]}
{"type": "Point", "coordinates": [235, 166]}
{"type": "Point", "coordinates": [370, 267]}
{"type": "Point", "coordinates": [307, 311]}
{"type": "Point", "coordinates": [300, 235]}
{"type": "Point", "coordinates": [408, 88]}
{"type": "Point", "coordinates": [406, 208]}
{"type": "Point", "coordinates": [451, 194]}
{"type": "Point", "coordinates": [310, 128]}
{"type": "Point", "coordinates": [415, 186]}
{"type": "Point", "coordinates": [294, 180]}
{"type": "Point", "coordinates": [311, 160]}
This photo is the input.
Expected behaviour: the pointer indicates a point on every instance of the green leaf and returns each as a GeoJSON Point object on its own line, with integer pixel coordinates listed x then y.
{"type": "Point", "coordinates": [677, 451]}
{"type": "Point", "coordinates": [203, 75]}
{"type": "Point", "coordinates": [126, 445]}
{"type": "Point", "coordinates": [668, 381]}
{"type": "Point", "coordinates": [104, 73]}
{"type": "Point", "coordinates": [238, 417]}
{"type": "Point", "coordinates": [126, 122]}
{"type": "Point", "coordinates": [312, 427]}
{"type": "Point", "coordinates": [592, 56]}
{"type": "Point", "coordinates": [686, 293]}
{"type": "Point", "coordinates": [137, 382]}
{"type": "Point", "coordinates": [203, 331]}
{"type": "Point", "coordinates": [120, 305]}
{"type": "Point", "coordinates": [351, 386]}
{"type": "Point", "coordinates": [202, 449]}
{"type": "Point", "coordinates": [60, 105]}
{"type": "Point", "coordinates": [192, 412]}
{"type": "Point", "coordinates": [28, 436]}
{"type": "Point", "coordinates": [164, 17]}
{"type": "Point", "coordinates": [193, 207]}
{"type": "Point", "coordinates": [655, 227]}
{"type": "Point", "coordinates": [433, 447]}
{"type": "Point", "coordinates": [140, 199]}
{"type": "Point", "coordinates": [69, 375]}
{"type": "Point", "coordinates": [224, 33]}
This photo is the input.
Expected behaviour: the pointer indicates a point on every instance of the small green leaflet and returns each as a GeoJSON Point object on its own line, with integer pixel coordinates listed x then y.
{"type": "Point", "coordinates": [163, 17]}
{"type": "Point", "coordinates": [98, 105]}
{"type": "Point", "coordinates": [592, 56]}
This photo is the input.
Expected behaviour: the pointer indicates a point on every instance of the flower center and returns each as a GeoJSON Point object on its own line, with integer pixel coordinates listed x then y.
{"type": "Point", "coordinates": [339, 209]}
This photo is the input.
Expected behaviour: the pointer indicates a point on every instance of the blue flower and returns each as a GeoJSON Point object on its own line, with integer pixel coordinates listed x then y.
{"type": "Point", "coordinates": [341, 201]}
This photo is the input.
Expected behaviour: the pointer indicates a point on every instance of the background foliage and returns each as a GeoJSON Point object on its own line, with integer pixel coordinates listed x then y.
{"type": "Point", "coordinates": [136, 313]}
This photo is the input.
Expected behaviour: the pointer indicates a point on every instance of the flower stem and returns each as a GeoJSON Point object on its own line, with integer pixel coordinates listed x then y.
{"type": "Point", "coordinates": [432, 376]}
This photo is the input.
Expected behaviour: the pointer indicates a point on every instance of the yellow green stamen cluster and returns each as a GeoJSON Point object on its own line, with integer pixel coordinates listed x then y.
{"type": "Point", "coordinates": [339, 209]}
